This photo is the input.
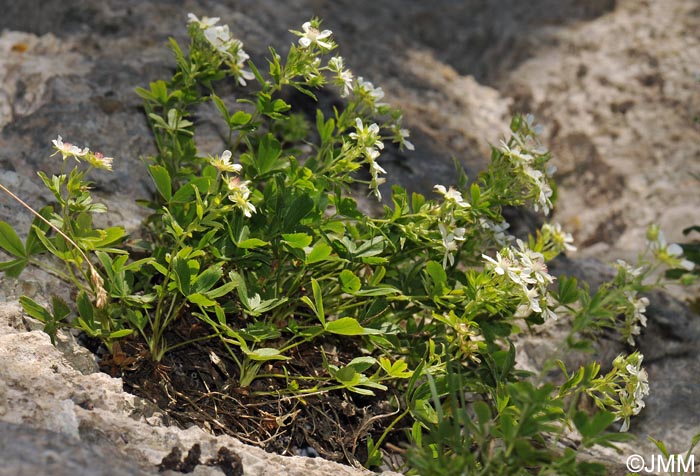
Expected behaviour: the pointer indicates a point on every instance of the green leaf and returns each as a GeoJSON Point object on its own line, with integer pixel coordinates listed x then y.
{"type": "Point", "coordinates": [268, 152]}
{"type": "Point", "coordinates": [221, 290]}
{"type": "Point", "coordinates": [207, 279]}
{"type": "Point", "coordinates": [111, 235]}
{"type": "Point", "coordinates": [255, 305]}
{"type": "Point", "coordinates": [14, 268]}
{"type": "Point", "coordinates": [398, 369]}
{"type": "Point", "coordinates": [483, 412]}
{"type": "Point", "coordinates": [219, 103]}
{"type": "Point", "coordinates": [240, 118]}
{"type": "Point", "coordinates": [437, 274]}
{"type": "Point", "coordinates": [10, 242]}
{"type": "Point", "coordinates": [161, 178]}
{"type": "Point", "coordinates": [660, 445]}
{"type": "Point", "coordinates": [60, 308]}
{"type": "Point", "coordinates": [265, 353]}
{"type": "Point", "coordinates": [424, 410]}
{"type": "Point", "coordinates": [297, 240]}
{"type": "Point", "coordinates": [361, 364]}
{"type": "Point", "coordinates": [347, 376]}
{"type": "Point", "coordinates": [349, 282]}
{"type": "Point", "coordinates": [120, 333]}
{"type": "Point", "coordinates": [599, 423]}
{"type": "Point", "coordinates": [34, 245]}
{"type": "Point", "coordinates": [508, 427]}
{"type": "Point", "coordinates": [299, 208]}
{"type": "Point", "coordinates": [475, 193]}
{"type": "Point", "coordinates": [200, 300]}
{"type": "Point", "coordinates": [184, 194]}
{"type": "Point", "coordinates": [379, 291]}
{"type": "Point", "coordinates": [86, 309]}
{"type": "Point", "coordinates": [567, 290]}
{"type": "Point", "coordinates": [371, 247]}
{"type": "Point", "coordinates": [318, 301]}
{"type": "Point", "coordinates": [34, 309]}
{"type": "Point", "coordinates": [348, 326]}
{"type": "Point", "coordinates": [182, 275]}
{"type": "Point", "coordinates": [417, 201]}
{"type": "Point", "coordinates": [320, 252]}
{"type": "Point", "coordinates": [251, 243]}
{"type": "Point", "coordinates": [348, 207]}
{"type": "Point", "coordinates": [590, 427]}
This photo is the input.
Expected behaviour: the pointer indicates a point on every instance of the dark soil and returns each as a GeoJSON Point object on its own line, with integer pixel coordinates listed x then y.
{"type": "Point", "coordinates": [198, 384]}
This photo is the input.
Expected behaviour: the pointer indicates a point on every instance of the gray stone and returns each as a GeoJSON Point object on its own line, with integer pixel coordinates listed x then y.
{"type": "Point", "coordinates": [614, 83]}
{"type": "Point", "coordinates": [30, 451]}
{"type": "Point", "coordinates": [67, 415]}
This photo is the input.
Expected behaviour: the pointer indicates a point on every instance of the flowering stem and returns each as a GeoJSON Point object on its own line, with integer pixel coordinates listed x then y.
{"type": "Point", "coordinates": [54, 227]}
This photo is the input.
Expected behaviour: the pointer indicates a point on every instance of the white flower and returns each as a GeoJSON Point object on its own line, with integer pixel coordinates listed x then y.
{"type": "Point", "coordinates": [533, 266]}
{"type": "Point", "coordinates": [639, 380]}
{"type": "Point", "coordinates": [561, 240]}
{"type": "Point", "coordinates": [238, 194]}
{"type": "Point", "coordinates": [536, 129]}
{"type": "Point", "coordinates": [449, 241]}
{"type": "Point", "coordinates": [628, 269]}
{"type": "Point", "coordinates": [367, 90]}
{"type": "Point", "coordinates": [505, 265]}
{"type": "Point", "coordinates": [336, 64]}
{"type": "Point", "coordinates": [518, 156]}
{"type": "Point", "coordinates": [404, 134]}
{"type": "Point", "coordinates": [639, 306]}
{"type": "Point", "coordinates": [344, 77]}
{"type": "Point", "coordinates": [498, 230]}
{"type": "Point", "coordinates": [642, 385]}
{"type": "Point", "coordinates": [675, 250]}
{"type": "Point", "coordinates": [670, 253]}
{"type": "Point", "coordinates": [223, 163]}
{"type": "Point", "coordinates": [548, 312]}
{"type": "Point", "coordinates": [367, 136]}
{"type": "Point", "coordinates": [452, 195]}
{"type": "Point", "coordinates": [544, 192]}
{"type": "Point", "coordinates": [204, 23]}
{"type": "Point", "coordinates": [531, 305]}
{"type": "Point", "coordinates": [67, 149]}
{"type": "Point", "coordinates": [312, 35]}
{"type": "Point", "coordinates": [220, 38]}
{"type": "Point", "coordinates": [375, 169]}
{"type": "Point", "coordinates": [100, 161]}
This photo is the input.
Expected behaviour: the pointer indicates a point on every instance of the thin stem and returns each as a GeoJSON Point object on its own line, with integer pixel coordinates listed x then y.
{"type": "Point", "coordinates": [54, 227]}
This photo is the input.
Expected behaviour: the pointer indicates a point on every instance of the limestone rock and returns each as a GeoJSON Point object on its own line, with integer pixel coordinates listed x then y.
{"type": "Point", "coordinates": [614, 82]}
{"type": "Point", "coordinates": [68, 419]}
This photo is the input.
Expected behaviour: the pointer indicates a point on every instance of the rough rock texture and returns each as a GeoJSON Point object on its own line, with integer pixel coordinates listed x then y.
{"type": "Point", "coordinates": [614, 82]}
{"type": "Point", "coordinates": [90, 426]}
